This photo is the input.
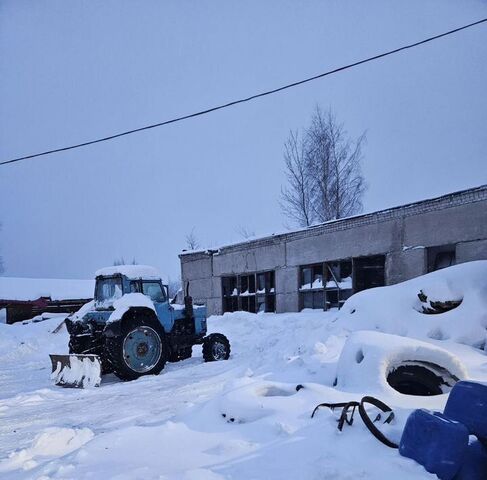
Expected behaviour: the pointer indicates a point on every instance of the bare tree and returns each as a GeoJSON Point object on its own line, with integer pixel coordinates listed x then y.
{"type": "Point", "coordinates": [192, 242]}
{"type": "Point", "coordinates": [296, 197]}
{"type": "Point", "coordinates": [323, 169]}
{"type": "Point", "coordinates": [173, 286]}
{"type": "Point", "coordinates": [121, 261]}
{"type": "Point", "coordinates": [245, 233]}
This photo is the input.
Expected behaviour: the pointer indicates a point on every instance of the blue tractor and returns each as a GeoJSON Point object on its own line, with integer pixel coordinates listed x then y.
{"type": "Point", "coordinates": [132, 329]}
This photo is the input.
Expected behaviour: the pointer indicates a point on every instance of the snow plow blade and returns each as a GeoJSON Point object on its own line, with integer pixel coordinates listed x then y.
{"type": "Point", "coordinates": [76, 371]}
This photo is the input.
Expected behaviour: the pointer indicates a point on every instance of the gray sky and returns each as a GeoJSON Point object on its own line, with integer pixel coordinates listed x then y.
{"type": "Point", "coordinates": [77, 70]}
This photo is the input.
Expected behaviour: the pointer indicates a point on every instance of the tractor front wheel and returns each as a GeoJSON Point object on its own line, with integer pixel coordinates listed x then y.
{"type": "Point", "coordinates": [141, 349]}
{"type": "Point", "coordinates": [216, 347]}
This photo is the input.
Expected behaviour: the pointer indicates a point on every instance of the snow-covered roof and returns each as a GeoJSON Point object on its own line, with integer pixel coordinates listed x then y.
{"type": "Point", "coordinates": [130, 271]}
{"type": "Point", "coordinates": [24, 289]}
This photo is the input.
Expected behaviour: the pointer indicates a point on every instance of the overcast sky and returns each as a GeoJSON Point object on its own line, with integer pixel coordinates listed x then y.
{"type": "Point", "coordinates": [77, 70]}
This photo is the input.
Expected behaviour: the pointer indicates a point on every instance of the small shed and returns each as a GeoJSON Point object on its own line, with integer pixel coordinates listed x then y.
{"type": "Point", "coordinates": [24, 298]}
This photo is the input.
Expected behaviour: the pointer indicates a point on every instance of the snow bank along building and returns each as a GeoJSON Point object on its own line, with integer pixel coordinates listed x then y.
{"type": "Point", "coordinates": [321, 266]}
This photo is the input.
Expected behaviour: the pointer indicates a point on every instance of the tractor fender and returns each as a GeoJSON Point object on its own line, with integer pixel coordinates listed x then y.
{"type": "Point", "coordinates": [115, 328]}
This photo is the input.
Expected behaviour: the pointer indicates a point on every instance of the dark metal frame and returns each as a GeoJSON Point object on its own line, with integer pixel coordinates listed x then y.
{"type": "Point", "coordinates": [325, 268]}
{"type": "Point", "coordinates": [255, 295]}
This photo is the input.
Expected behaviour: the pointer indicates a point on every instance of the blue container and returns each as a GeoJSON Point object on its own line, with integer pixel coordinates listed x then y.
{"type": "Point", "coordinates": [475, 462]}
{"type": "Point", "coordinates": [467, 404]}
{"type": "Point", "coordinates": [436, 442]}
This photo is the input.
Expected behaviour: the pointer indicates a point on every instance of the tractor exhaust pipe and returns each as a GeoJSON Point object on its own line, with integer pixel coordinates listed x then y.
{"type": "Point", "coordinates": [188, 303]}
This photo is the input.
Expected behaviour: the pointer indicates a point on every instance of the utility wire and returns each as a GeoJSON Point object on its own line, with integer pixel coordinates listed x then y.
{"type": "Point", "coordinates": [247, 99]}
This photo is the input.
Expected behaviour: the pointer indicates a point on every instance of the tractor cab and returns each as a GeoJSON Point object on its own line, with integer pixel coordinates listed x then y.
{"type": "Point", "coordinates": [114, 282]}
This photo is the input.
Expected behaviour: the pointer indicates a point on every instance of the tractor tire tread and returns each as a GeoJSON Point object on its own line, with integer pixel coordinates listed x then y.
{"type": "Point", "coordinates": [207, 346]}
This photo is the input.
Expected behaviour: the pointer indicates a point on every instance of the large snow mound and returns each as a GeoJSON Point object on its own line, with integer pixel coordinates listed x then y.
{"type": "Point", "coordinates": [31, 343]}
{"type": "Point", "coordinates": [398, 309]}
{"type": "Point", "coordinates": [367, 358]}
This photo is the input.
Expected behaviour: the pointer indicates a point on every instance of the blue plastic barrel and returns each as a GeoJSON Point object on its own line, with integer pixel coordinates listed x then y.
{"type": "Point", "coordinates": [436, 442]}
{"type": "Point", "coordinates": [467, 404]}
{"type": "Point", "coordinates": [475, 463]}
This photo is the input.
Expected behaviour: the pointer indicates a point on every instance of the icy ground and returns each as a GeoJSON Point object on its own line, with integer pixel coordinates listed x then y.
{"type": "Point", "coordinates": [239, 419]}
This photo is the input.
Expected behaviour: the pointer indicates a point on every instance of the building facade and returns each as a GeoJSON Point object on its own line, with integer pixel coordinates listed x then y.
{"type": "Point", "coordinates": [321, 266]}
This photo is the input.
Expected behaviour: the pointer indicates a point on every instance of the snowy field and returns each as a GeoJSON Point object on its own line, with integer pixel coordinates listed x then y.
{"type": "Point", "coordinates": [243, 418]}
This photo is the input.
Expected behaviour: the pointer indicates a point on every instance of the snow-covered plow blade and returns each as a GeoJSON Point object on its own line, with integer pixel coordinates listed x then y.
{"type": "Point", "coordinates": [76, 371]}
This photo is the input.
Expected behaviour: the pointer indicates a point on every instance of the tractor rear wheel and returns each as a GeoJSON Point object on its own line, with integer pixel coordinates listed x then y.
{"type": "Point", "coordinates": [141, 349]}
{"type": "Point", "coordinates": [216, 347]}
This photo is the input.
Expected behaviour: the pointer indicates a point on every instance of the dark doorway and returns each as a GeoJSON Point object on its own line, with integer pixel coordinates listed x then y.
{"type": "Point", "coordinates": [368, 272]}
{"type": "Point", "coordinates": [440, 257]}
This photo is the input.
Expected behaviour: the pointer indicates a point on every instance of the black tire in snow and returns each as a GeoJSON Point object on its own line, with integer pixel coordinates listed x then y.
{"type": "Point", "coordinates": [115, 347]}
{"type": "Point", "coordinates": [216, 347]}
{"type": "Point", "coordinates": [415, 380]}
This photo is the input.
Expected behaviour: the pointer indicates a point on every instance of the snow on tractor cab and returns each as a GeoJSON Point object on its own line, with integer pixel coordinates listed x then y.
{"type": "Point", "coordinates": [131, 329]}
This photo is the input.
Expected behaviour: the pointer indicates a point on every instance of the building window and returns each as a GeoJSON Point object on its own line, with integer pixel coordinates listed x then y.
{"type": "Point", "coordinates": [325, 285]}
{"type": "Point", "coordinates": [230, 294]}
{"type": "Point", "coordinates": [368, 272]}
{"type": "Point", "coordinates": [329, 284]}
{"type": "Point", "coordinates": [311, 286]}
{"type": "Point", "coordinates": [338, 286]}
{"type": "Point", "coordinates": [252, 292]}
{"type": "Point", "coordinates": [441, 257]}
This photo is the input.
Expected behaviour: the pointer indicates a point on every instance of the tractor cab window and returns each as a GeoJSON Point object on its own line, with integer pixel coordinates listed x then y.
{"type": "Point", "coordinates": [108, 290]}
{"type": "Point", "coordinates": [154, 291]}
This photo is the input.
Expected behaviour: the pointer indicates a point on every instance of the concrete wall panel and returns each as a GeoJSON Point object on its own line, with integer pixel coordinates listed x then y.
{"type": "Point", "coordinates": [451, 225]}
{"type": "Point", "coordinates": [214, 306]}
{"type": "Point", "coordinates": [287, 279]}
{"type": "Point", "coordinates": [364, 240]}
{"type": "Point", "coordinates": [287, 302]}
{"type": "Point", "coordinates": [252, 260]}
{"type": "Point", "coordinates": [404, 265]}
{"type": "Point", "coordinates": [469, 251]}
{"type": "Point", "coordinates": [200, 289]}
{"type": "Point", "coordinates": [195, 269]}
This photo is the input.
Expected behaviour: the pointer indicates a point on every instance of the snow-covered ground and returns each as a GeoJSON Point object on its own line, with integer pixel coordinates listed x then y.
{"type": "Point", "coordinates": [239, 419]}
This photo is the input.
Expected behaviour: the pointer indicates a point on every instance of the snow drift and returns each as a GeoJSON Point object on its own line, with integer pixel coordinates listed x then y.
{"type": "Point", "coordinates": [245, 418]}
{"type": "Point", "coordinates": [400, 309]}
{"type": "Point", "coordinates": [368, 358]}
{"type": "Point", "coordinates": [53, 442]}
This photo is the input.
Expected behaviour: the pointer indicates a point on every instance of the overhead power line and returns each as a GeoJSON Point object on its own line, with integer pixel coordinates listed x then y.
{"type": "Point", "coordinates": [246, 99]}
